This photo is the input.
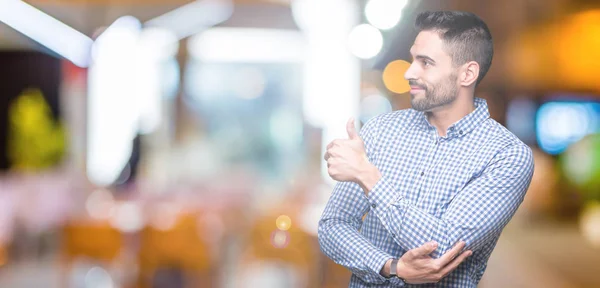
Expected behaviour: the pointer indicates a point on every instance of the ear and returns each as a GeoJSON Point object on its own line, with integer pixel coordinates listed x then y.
{"type": "Point", "coordinates": [470, 73]}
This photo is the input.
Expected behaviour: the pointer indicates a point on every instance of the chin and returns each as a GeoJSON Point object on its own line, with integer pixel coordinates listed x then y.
{"type": "Point", "coordinates": [422, 107]}
{"type": "Point", "coordinates": [415, 107]}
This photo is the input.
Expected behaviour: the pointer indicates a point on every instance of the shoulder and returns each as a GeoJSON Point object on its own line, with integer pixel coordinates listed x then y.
{"type": "Point", "coordinates": [507, 147]}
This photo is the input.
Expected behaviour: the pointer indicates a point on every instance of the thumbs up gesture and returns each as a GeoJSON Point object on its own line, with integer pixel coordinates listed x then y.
{"type": "Point", "coordinates": [347, 158]}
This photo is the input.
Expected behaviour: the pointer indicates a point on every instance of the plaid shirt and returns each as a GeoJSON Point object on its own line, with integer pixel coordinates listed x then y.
{"type": "Point", "coordinates": [465, 186]}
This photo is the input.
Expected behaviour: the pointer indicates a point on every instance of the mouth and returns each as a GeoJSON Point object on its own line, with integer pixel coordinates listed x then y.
{"type": "Point", "coordinates": [415, 89]}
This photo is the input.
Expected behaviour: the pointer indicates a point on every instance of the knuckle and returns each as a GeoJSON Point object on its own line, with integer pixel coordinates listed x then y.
{"type": "Point", "coordinates": [463, 257]}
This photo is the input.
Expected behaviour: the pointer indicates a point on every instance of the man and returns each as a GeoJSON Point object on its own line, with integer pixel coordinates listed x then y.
{"type": "Point", "coordinates": [437, 182]}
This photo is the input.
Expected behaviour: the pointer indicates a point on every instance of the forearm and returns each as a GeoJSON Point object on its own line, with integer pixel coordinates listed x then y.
{"type": "Point", "coordinates": [409, 226]}
{"type": "Point", "coordinates": [343, 244]}
{"type": "Point", "coordinates": [470, 217]}
{"type": "Point", "coordinates": [412, 227]}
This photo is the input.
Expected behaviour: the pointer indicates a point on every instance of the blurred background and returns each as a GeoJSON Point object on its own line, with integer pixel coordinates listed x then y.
{"type": "Point", "coordinates": [155, 143]}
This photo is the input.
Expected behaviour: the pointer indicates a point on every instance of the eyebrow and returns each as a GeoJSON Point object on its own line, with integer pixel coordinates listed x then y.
{"type": "Point", "coordinates": [420, 57]}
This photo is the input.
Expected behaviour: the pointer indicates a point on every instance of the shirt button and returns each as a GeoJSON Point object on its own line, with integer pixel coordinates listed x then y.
{"type": "Point", "coordinates": [373, 205]}
{"type": "Point", "coordinates": [460, 132]}
{"type": "Point", "coordinates": [422, 173]}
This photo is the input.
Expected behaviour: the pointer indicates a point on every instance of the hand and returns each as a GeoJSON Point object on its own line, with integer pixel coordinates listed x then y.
{"type": "Point", "coordinates": [347, 158]}
{"type": "Point", "coordinates": [417, 267]}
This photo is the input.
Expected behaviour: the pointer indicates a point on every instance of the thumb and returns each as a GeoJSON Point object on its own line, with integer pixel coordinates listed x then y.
{"type": "Point", "coordinates": [426, 248]}
{"type": "Point", "coordinates": [352, 134]}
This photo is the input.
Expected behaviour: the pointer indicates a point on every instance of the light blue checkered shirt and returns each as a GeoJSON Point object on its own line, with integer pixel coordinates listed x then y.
{"type": "Point", "coordinates": [465, 186]}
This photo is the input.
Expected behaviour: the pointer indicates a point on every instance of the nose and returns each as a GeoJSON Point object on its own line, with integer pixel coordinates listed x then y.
{"type": "Point", "coordinates": [410, 72]}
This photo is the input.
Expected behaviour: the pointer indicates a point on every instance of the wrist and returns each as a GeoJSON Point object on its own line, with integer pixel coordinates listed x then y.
{"type": "Point", "coordinates": [400, 269]}
{"type": "Point", "coordinates": [369, 177]}
{"type": "Point", "coordinates": [385, 271]}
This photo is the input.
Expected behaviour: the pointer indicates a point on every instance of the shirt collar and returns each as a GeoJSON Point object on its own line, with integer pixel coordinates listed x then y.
{"type": "Point", "coordinates": [465, 125]}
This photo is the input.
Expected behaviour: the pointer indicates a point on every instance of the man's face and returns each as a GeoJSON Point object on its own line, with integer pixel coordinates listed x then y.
{"type": "Point", "coordinates": [432, 77]}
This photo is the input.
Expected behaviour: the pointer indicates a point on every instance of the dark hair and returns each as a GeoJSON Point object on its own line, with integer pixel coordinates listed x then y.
{"type": "Point", "coordinates": [466, 36]}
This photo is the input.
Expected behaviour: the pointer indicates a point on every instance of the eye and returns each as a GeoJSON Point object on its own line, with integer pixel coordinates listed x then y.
{"type": "Point", "coordinates": [426, 64]}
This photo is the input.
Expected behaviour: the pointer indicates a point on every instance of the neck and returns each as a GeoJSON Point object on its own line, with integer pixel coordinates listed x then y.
{"type": "Point", "coordinates": [441, 118]}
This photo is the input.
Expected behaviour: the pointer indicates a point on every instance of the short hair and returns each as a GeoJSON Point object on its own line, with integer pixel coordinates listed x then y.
{"type": "Point", "coordinates": [465, 35]}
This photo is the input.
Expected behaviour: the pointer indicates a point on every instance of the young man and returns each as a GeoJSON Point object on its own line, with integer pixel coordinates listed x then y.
{"type": "Point", "coordinates": [439, 181]}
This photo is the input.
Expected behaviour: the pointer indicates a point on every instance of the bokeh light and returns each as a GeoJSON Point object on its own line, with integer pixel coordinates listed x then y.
{"type": "Point", "coordinates": [393, 76]}
{"type": "Point", "coordinates": [560, 124]}
{"type": "Point", "coordinates": [578, 72]}
{"type": "Point", "coordinates": [384, 14]}
{"type": "Point", "coordinates": [100, 204]}
{"type": "Point", "coordinates": [165, 216]}
{"type": "Point", "coordinates": [317, 15]}
{"type": "Point", "coordinates": [374, 105]}
{"type": "Point", "coordinates": [581, 165]}
{"type": "Point", "coordinates": [127, 217]}
{"type": "Point", "coordinates": [97, 277]}
{"type": "Point", "coordinates": [280, 239]}
{"type": "Point", "coordinates": [283, 222]}
{"type": "Point", "coordinates": [365, 41]}
{"type": "Point", "coordinates": [590, 223]}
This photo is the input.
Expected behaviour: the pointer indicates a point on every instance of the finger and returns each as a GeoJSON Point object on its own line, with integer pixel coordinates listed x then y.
{"type": "Point", "coordinates": [336, 142]}
{"type": "Point", "coordinates": [425, 249]}
{"type": "Point", "coordinates": [331, 144]}
{"type": "Point", "coordinates": [461, 258]}
{"type": "Point", "coordinates": [351, 129]}
{"type": "Point", "coordinates": [331, 152]}
{"type": "Point", "coordinates": [451, 254]}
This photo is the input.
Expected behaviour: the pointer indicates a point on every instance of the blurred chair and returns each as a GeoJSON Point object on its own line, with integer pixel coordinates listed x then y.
{"type": "Point", "coordinates": [333, 275]}
{"type": "Point", "coordinates": [3, 254]}
{"type": "Point", "coordinates": [97, 241]}
{"type": "Point", "coordinates": [291, 249]}
{"type": "Point", "coordinates": [177, 252]}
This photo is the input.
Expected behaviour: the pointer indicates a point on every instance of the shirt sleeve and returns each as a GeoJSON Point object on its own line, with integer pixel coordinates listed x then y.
{"type": "Point", "coordinates": [477, 214]}
{"type": "Point", "coordinates": [338, 232]}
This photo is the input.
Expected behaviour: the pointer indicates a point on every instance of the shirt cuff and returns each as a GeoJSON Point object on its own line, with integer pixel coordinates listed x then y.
{"type": "Point", "coordinates": [396, 282]}
{"type": "Point", "coordinates": [376, 263]}
{"type": "Point", "coordinates": [382, 195]}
